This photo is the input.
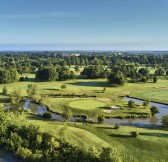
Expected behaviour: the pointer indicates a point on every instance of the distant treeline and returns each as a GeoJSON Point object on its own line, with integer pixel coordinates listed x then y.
{"type": "Point", "coordinates": [49, 66]}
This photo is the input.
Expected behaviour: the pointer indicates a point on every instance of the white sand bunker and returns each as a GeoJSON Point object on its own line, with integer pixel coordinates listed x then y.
{"type": "Point", "coordinates": [104, 99]}
{"type": "Point", "coordinates": [113, 108]}
{"type": "Point", "coordinates": [116, 107]}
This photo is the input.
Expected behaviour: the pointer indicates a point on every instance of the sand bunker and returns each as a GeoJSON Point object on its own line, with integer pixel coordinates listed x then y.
{"type": "Point", "coordinates": [113, 108]}
{"type": "Point", "coordinates": [104, 99]}
{"type": "Point", "coordinates": [108, 111]}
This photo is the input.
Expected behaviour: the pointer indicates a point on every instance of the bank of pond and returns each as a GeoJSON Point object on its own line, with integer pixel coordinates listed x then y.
{"type": "Point", "coordinates": [128, 121]}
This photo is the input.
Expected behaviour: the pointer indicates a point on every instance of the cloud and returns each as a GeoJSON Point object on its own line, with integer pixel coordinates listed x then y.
{"type": "Point", "coordinates": [40, 15]}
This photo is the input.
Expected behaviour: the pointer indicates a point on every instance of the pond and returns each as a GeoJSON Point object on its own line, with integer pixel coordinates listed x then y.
{"type": "Point", "coordinates": [141, 122]}
{"type": "Point", "coordinates": [7, 157]}
{"type": "Point", "coordinates": [153, 121]}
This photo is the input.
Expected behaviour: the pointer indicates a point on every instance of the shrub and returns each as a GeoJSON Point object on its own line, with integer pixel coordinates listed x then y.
{"type": "Point", "coordinates": [154, 110]}
{"type": "Point", "coordinates": [165, 121]}
{"type": "Point", "coordinates": [116, 126]}
{"type": "Point", "coordinates": [131, 103]}
{"type": "Point", "coordinates": [63, 86]}
{"type": "Point", "coordinates": [100, 119]}
{"type": "Point", "coordinates": [21, 79]}
{"type": "Point", "coordinates": [134, 134]}
{"type": "Point", "coordinates": [4, 90]}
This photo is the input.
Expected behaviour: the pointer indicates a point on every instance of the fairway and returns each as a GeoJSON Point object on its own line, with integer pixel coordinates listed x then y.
{"type": "Point", "coordinates": [87, 104]}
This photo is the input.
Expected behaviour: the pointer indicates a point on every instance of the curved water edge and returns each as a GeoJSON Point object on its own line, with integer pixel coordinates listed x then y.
{"type": "Point", "coordinates": [140, 122]}
{"type": "Point", "coordinates": [8, 157]}
{"type": "Point", "coordinates": [153, 121]}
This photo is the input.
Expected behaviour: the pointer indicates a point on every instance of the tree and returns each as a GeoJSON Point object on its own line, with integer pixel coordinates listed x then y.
{"type": "Point", "coordinates": [143, 71]}
{"type": "Point", "coordinates": [8, 76]}
{"type": "Point", "coordinates": [154, 110]}
{"type": "Point", "coordinates": [15, 96]}
{"type": "Point", "coordinates": [47, 74]}
{"type": "Point", "coordinates": [167, 73]}
{"type": "Point", "coordinates": [146, 103]}
{"type": "Point", "coordinates": [93, 72]}
{"type": "Point", "coordinates": [67, 114]}
{"type": "Point", "coordinates": [63, 86]}
{"type": "Point", "coordinates": [100, 119]}
{"type": "Point", "coordinates": [134, 134]}
{"type": "Point", "coordinates": [117, 78]}
{"type": "Point", "coordinates": [76, 68]}
{"type": "Point", "coordinates": [131, 103]}
{"type": "Point", "coordinates": [159, 72]}
{"type": "Point", "coordinates": [107, 155]}
{"type": "Point", "coordinates": [31, 90]}
{"type": "Point", "coordinates": [155, 79]}
{"type": "Point", "coordinates": [4, 90]}
{"type": "Point", "coordinates": [164, 121]}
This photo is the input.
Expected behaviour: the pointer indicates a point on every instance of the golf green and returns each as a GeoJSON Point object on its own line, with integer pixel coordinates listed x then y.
{"type": "Point", "coordinates": [87, 104]}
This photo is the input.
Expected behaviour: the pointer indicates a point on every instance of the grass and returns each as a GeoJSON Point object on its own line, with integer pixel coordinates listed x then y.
{"type": "Point", "coordinates": [87, 104]}
{"type": "Point", "coordinates": [150, 145]}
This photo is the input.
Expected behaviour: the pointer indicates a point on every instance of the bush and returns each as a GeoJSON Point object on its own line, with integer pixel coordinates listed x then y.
{"type": "Point", "coordinates": [21, 79]}
{"type": "Point", "coordinates": [4, 90]}
{"type": "Point", "coordinates": [131, 103]}
{"type": "Point", "coordinates": [47, 115]}
{"type": "Point", "coordinates": [63, 86]}
{"type": "Point", "coordinates": [134, 134]}
{"type": "Point", "coordinates": [165, 121]}
{"type": "Point", "coordinates": [154, 110]}
{"type": "Point", "coordinates": [116, 126]}
{"type": "Point", "coordinates": [100, 119]}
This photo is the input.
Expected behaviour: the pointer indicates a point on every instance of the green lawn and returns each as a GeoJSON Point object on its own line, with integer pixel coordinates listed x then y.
{"type": "Point", "coordinates": [87, 104]}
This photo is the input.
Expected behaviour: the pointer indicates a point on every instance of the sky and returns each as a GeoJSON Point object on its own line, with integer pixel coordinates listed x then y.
{"type": "Point", "coordinates": [83, 24]}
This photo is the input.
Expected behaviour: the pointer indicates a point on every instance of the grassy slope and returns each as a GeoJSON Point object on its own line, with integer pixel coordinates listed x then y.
{"type": "Point", "coordinates": [151, 145]}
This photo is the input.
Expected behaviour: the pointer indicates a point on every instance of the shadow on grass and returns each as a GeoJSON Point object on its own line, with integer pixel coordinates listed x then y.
{"type": "Point", "coordinates": [120, 135]}
{"type": "Point", "coordinates": [97, 91]}
{"type": "Point", "coordinates": [136, 113]}
{"type": "Point", "coordinates": [155, 134]}
{"type": "Point", "coordinates": [51, 89]}
{"type": "Point", "coordinates": [105, 108]}
{"type": "Point", "coordinates": [34, 117]}
{"type": "Point", "coordinates": [105, 127]}
{"type": "Point", "coordinates": [91, 84]}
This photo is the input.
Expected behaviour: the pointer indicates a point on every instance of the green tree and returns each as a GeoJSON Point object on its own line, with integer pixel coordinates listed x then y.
{"type": "Point", "coordinates": [159, 72]}
{"type": "Point", "coordinates": [164, 121]}
{"type": "Point", "coordinates": [76, 68]}
{"type": "Point", "coordinates": [154, 110]}
{"type": "Point", "coordinates": [31, 90]}
{"type": "Point", "coordinates": [15, 96]}
{"type": "Point", "coordinates": [107, 155]}
{"type": "Point", "coordinates": [100, 119]}
{"type": "Point", "coordinates": [131, 103]}
{"type": "Point", "coordinates": [117, 78]}
{"type": "Point", "coordinates": [67, 113]}
{"type": "Point", "coordinates": [143, 71]}
{"type": "Point", "coordinates": [4, 90]}
{"type": "Point", "coordinates": [155, 79]}
{"type": "Point", "coordinates": [47, 74]}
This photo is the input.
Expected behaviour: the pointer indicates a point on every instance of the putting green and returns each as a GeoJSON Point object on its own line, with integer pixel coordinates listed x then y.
{"type": "Point", "coordinates": [87, 104]}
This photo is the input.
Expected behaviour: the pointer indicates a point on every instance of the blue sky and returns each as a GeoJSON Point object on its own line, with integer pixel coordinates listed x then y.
{"type": "Point", "coordinates": [84, 24]}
